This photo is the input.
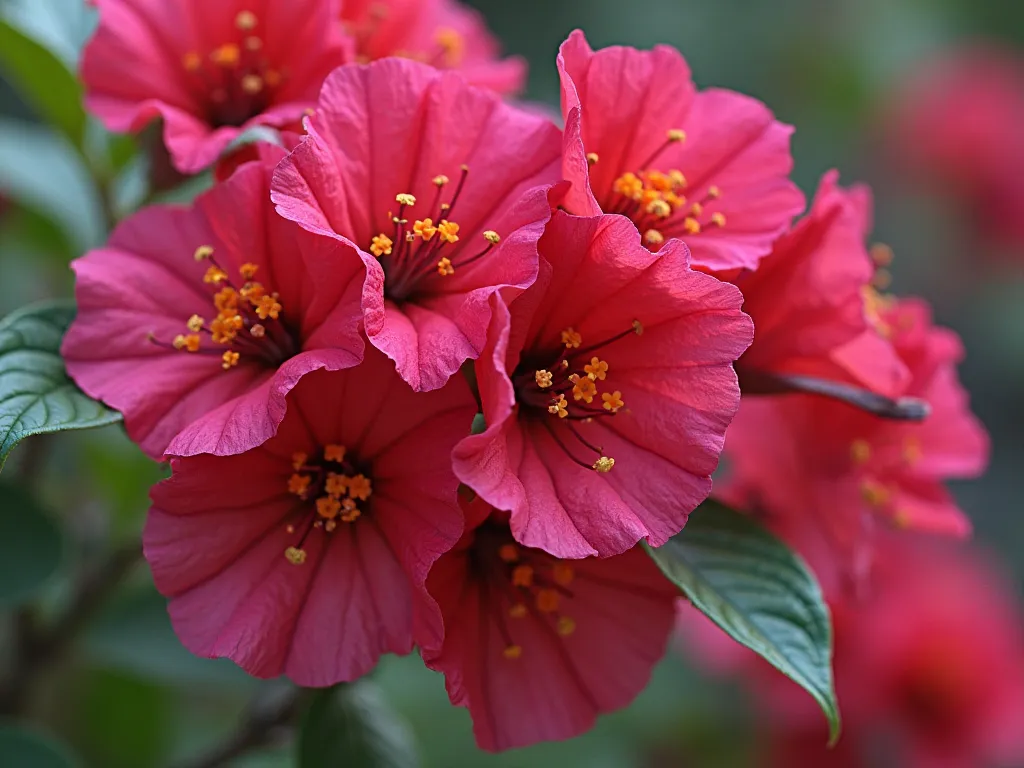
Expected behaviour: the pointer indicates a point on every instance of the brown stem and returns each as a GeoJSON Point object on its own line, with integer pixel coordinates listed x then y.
{"type": "Point", "coordinates": [39, 647]}
{"type": "Point", "coordinates": [262, 725]}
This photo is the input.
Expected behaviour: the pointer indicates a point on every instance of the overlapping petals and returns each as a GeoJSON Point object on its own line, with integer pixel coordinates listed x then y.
{"type": "Point", "coordinates": [208, 70]}
{"type": "Point", "coordinates": [196, 322]}
{"type": "Point", "coordinates": [440, 189]}
{"type": "Point", "coordinates": [306, 556]}
{"type": "Point", "coordinates": [709, 166]}
{"type": "Point", "coordinates": [606, 390]}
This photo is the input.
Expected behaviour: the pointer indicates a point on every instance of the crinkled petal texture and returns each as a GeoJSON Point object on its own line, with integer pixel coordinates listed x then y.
{"type": "Point", "coordinates": [220, 527]}
{"type": "Point", "coordinates": [675, 377]}
{"type": "Point", "coordinates": [807, 299]}
{"type": "Point", "coordinates": [810, 459]}
{"type": "Point", "coordinates": [209, 70]}
{"type": "Point", "coordinates": [396, 127]}
{"type": "Point", "coordinates": [136, 294]}
{"type": "Point", "coordinates": [594, 654]}
{"type": "Point", "coordinates": [619, 105]}
{"type": "Point", "coordinates": [442, 33]}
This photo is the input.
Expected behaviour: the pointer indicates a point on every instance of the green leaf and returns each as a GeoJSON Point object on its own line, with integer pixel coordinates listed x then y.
{"type": "Point", "coordinates": [760, 592]}
{"type": "Point", "coordinates": [36, 395]}
{"type": "Point", "coordinates": [31, 546]}
{"type": "Point", "coordinates": [352, 726]}
{"type": "Point", "coordinates": [43, 172]}
{"type": "Point", "coordinates": [24, 748]}
{"type": "Point", "coordinates": [43, 81]}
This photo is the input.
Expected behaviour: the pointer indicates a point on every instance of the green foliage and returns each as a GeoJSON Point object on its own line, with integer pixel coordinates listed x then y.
{"type": "Point", "coordinates": [760, 592]}
{"type": "Point", "coordinates": [24, 748]}
{"type": "Point", "coordinates": [36, 395]}
{"type": "Point", "coordinates": [351, 725]}
{"type": "Point", "coordinates": [31, 546]}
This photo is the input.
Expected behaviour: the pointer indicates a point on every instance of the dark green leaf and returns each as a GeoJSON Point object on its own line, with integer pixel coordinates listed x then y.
{"type": "Point", "coordinates": [36, 395]}
{"type": "Point", "coordinates": [43, 82]}
{"type": "Point", "coordinates": [24, 748]}
{"type": "Point", "coordinates": [352, 726]}
{"type": "Point", "coordinates": [760, 592]}
{"type": "Point", "coordinates": [479, 424]}
{"type": "Point", "coordinates": [31, 546]}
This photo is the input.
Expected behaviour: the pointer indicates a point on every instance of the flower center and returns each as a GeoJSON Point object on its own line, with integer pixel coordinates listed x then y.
{"type": "Point", "coordinates": [448, 50]}
{"type": "Point", "coordinates": [657, 201]}
{"type": "Point", "coordinates": [520, 582]}
{"type": "Point", "coordinates": [877, 494]}
{"type": "Point", "coordinates": [332, 490]}
{"type": "Point", "coordinates": [235, 78]}
{"type": "Point", "coordinates": [413, 255]}
{"type": "Point", "coordinates": [248, 322]}
{"type": "Point", "coordinates": [562, 391]}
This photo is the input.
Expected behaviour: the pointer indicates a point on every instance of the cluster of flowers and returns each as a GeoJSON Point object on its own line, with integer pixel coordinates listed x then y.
{"type": "Point", "coordinates": [428, 373]}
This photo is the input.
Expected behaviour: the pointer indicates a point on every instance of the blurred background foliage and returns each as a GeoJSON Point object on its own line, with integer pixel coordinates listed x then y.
{"type": "Point", "coordinates": [128, 695]}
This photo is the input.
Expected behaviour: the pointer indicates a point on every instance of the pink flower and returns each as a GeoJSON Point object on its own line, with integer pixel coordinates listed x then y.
{"type": "Point", "coordinates": [822, 463]}
{"type": "Point", "coordinates": [208, 70]}
{"type": "Point", "coordinates": [930, 657]}
{"type": "Point", "coordinates": [956, 123]}
{"type": "Point", "coordinates": [710, 167]}
{"type": "Point", "coordinates": [812, 296]}
{"type": "Point", "coordinates": [536, 647]}
{"type": "Point", "coordinates": [439, 187]}
{"type": "Point", "coordinates": [442, 33]}
{"type": "Point", "coordinates": [201, 351]}
{"type": "Point", "coordinates": [307, 555]}
{"type": "Point", "coordinates": [606, 392]}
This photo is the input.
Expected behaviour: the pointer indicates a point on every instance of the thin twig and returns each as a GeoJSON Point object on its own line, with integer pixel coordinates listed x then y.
{"type": "Point", "coordinates": [261, 726]}
{"type": "Point", "coordinates": [39, 647]}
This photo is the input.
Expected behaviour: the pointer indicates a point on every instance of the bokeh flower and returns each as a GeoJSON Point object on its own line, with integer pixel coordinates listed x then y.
{"type": "Point", "coordinates": [195, 322]}
{"type": "Point", "coordinates": [307, 555]}
{"type": "Point", "coordinates": [439, 187]}
{"type": "Point", "coordinates": [443, 33]}
{"type": "Point", "coordinates": [208, 70]}
{"type": "Point", "coordinates": [708, 166]}
{"type": "Point", "coordinates": [606, 388]}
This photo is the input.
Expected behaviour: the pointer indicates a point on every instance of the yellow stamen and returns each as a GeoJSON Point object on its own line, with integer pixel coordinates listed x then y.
{"type": "Point", "coordinates": [195, 323]}
{"type": "Point", "coordinates": [522, 576]}
{"type": "Point", "coordinates": [547, 600]}
{"type": "Point", "coordinates": [653, 237]}
{"type": "Point", "coordinates": [592, 158]}
{"type": "Point", "coordinates": [585, 389]}
{"type": "Point", "coordinates": [203, 252]}
{"type": "Point", "coordinates": [691, 225]}
{"type": "Point", "coordinates": [299, 484]}
{"type": "Point", "coordinates": [381, 245]}
{"type": "Point", "coordinates": [360, 487]}
{"type": "Point", "coordinates": [659, 208]}
{"type": "Point", "coordinates": [605, 463]}
{"type": "Point", "coordinates": [612, 401]}
{"type": "Point", "coordinates": [440, 180]}
{"type": "Point", "coordinates": [215, 274]}
{"type": "Point", "coordinates": [295, 556]}
{"type": "Point", "coordinates": [596, 369]}
{"type": "Point", "coordinates": [444, 267]}
{"type": "Point", "coordinates": [299, 460]}
{"type": "Point", "coordinates": [492, 237]}
{"type": "Point", "coordinates": [268, 306]}
{"type": "Point", "coordinates": [335, 453]}
{"type": "Point", "coordinates": [512, 652]}
{"type": "Point", "coordinates": [252, 84]}
{"type": "Point", "coordinates": [860, 451]}
{"type": "Point", "coordinates": [328, 507]}
{"type": "Point", "coordinates": [229, 360]}
{"type": "Point", "coordinates": [676, 135]}
{"type": "Point", "coordinates": [517, 611]}
{"type": "Point", "coordinates": [559, 407]}
{"type": "Point", "coordinates": [189, 342]}
{"type": "Point", "coordinates": [448, 231]}
{"type": "Point", "coordinates": [718, 219]}
{"type": "Point", "coordinates": [226, 56]}
{"type": "Point", "coordinates": [424, 228]}
{"type": "Point", "coordinates": [543, 378]}
{"type": "Point", "coordinates": [874, 493]}
{"type": "Point", "coordinates": [336, 485]}
{"type": "Point", "coordinates": [562, 573]}
{"type": "Point", "coordinates": [404, 198]}
{"type": "Point", "coordinates": [245, 20]}
{"type": "Point", "coordinates": [571, 339]}
{"type": "Point", "coordinates": [509, 553]}
{"type": "Point", "coordinates": [565, 626]}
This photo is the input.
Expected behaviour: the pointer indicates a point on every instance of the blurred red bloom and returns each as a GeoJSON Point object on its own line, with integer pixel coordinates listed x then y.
{"type": "Point", "coordinates": [537, 647]}
{"type": "Point", "coordinates": [708, 166]}
{"type": "Point", "coordinates": [929, 666]}
{"type": "Point", "coordinates": [195, 322]}
{"type": "Point", "coordinates": [606, 389]}
{"type": "Point", "coordinates": [307, 555]}
{"type": "Point", "coordinates": [388, 143]}
{"type": "Point", "coordinates": [958, 122]}
{"type": "Point", "coordinates": [208, 70]}
{"type": "Point", "coordinates": [823, 463]}
{"type": "Point", "coordinates": [442, 33]}
{"type": "Point", "coordinates": [808, 300]}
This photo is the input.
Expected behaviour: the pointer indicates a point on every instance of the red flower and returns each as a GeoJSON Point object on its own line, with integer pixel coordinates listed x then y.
{"type": "Point", "coordinates": [209, 70]}
{"type": "Point", "coordinates": [929, 657]}
{"type": "Point", "coordinates": [435, 185]}
{"type": "Point", "coordinates": [808, 300]}
{"type": "Point", "coordinates": [606, 392]}
{"type": "Point", "coordinates": [442, 33]}
{"type": "Point", "coordinates": [956, 123]}
{"type": "Point", "coordinates": [807, 459]}
{"type": "Point", "coordinates": [208, 346]}
{"type": "Point", "coordinates": [307, 555]}
{"type": "Point", "coordinates": [536, 647]}
{"type": "Point", "coordinates": [711, 166]}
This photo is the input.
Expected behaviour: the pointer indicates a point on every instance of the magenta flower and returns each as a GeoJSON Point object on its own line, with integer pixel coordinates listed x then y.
{"type": "Point", "coordinates": [536, 647]}
{"type": "Point", "coordinates": [442, 33]}
{"type": "Point", "coordinates": [606, 389]}
{"type": "Point", "coordinates": [708, 166]}
{"type": "Point", "coordinates": [439, 187]}
{"type": "Point", "coordinates": [195, 322]}
{"type": "Point", "coordinates": [208, 70]}
{"type": "Point", "coordinates": [307, 555]}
